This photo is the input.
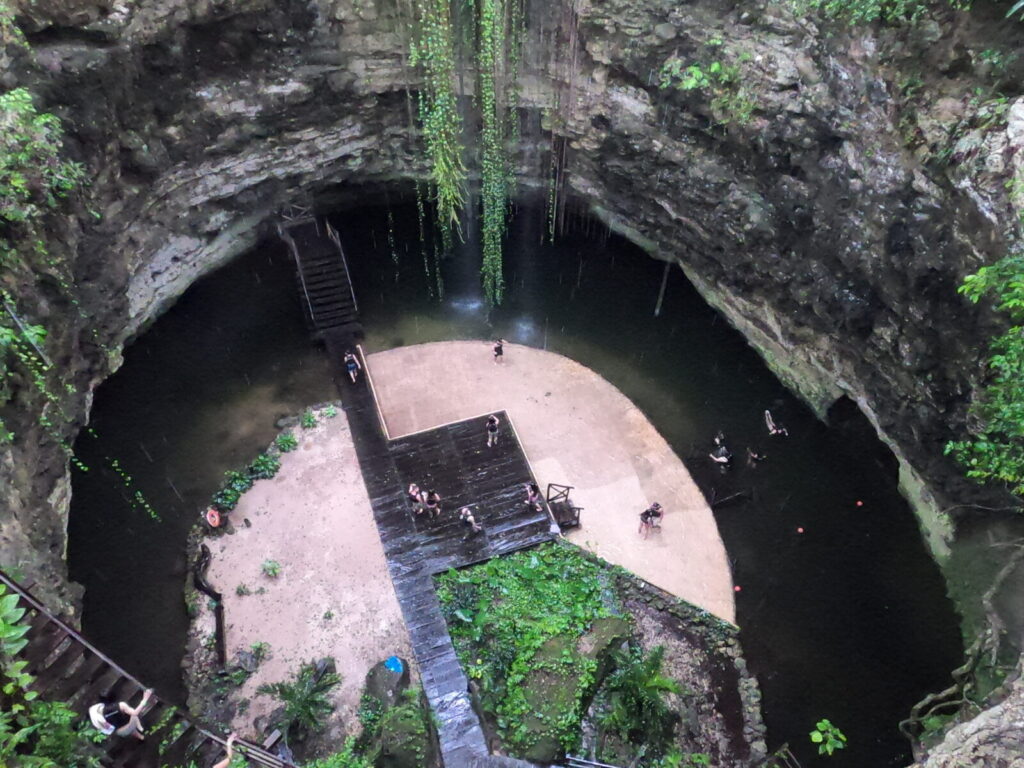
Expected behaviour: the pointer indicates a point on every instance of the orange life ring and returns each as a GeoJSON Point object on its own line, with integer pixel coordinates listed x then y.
{"type": "Point", "coordinates": [213, 517]}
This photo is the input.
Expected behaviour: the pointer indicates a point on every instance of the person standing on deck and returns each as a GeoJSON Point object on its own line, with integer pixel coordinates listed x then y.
{"type": "Point", "coordinates": [467, 519]}
{"type": "Point", "coordinates": [434, 503]}
{"type": "Point", "coordinates": [492, 431]}
{"type": "Point", "coordinates": [352, 365]}
{"type": "Point", "coordinates": [499, 350]}
{"type": "Point", "coordinates": [416, 498]}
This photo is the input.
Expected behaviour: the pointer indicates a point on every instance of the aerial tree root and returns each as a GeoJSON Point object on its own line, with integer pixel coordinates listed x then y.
{"type": "Point", "coordinates": [956, 696]}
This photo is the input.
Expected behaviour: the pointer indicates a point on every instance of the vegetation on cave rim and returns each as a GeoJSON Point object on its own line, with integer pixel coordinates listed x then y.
{"type": "Point", "coordinates": [502, 612]}
{"type": "Point", "coordinates": [35, 733]}
{"type": "Point", "coordinates": [715, 76]}
{"type": "Point", "coordinates": [995, 451]}
{"type": "Point", "coordinates": [868, 11]}
{"type": "Point", "coordinates": [433, 49]}
{"type": "Point", "coordinates": [34, 178]}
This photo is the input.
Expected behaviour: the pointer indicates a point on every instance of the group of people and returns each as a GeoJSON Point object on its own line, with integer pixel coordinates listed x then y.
{"type": "Point", "coordinates": [429, 504]}
{"type": "Point", "coordinates": [424, 502]}
{"type": "Point", "coordinates": [722, 456]}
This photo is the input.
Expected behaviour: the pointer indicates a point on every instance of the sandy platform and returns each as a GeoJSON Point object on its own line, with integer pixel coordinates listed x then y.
{"type": "Point", "coordinates": [333, 596]}
{"type": "Point", "coordinates": [579, 430]}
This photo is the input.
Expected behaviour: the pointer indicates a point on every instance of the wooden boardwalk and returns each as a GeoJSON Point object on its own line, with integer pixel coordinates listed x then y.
{"type": "Point", "coordinates": [453, 460]}
{"type": "Point", "coordinates": [66, 667]}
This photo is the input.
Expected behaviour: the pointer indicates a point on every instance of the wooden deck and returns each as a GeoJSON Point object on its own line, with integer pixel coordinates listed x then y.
{"type": "Point", "coordinates": [453, 460]}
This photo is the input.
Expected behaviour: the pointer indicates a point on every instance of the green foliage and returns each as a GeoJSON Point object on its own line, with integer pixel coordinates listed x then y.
{"type": "Point", "coordinates": [242, 590]}
{"type": "Point", "coordinates": [636, 692]}
{"type": "Point", "coordinates": [827, 737]}
{"type": "Point", "coordinates": [995, 453]}
{"type": "Point", "coordinates": [346, 758]}
{"type": "Point", "coordinates": [371, 710]}
{"type": "Point", "coordinates": [502, 612]}
{"type": "Point", "coordinates": [308, 419]}
{"type": "Point", "coordinates": [330, 412]}
{"type": "Point", "coordinates": [35, 733]}
{"type": "Point", "coordinates": [33, 177]}
{"type": "Point", "coordinates": [492, 59]}
{"type": "Point", "coordinates": [264, 467]}
{"type": "Point", "coordinates": [286, 442]}
{"type": "Point", "coordinates": [271, 568]}
{"type": "Point", "coordinates": [433, 50]}
{"type": "Point", "coordinates": [304, 698]}
{"type": "Point", "coordinates": [235, 484]}
{"type": "Point", "coordinates": [719, 80]}
{"type": "Point", "coordinates": [260, 649]}
{"type": "Point", "coordinates": [677, 759]}
{"type": "Point", "coordinates": [869, 11]}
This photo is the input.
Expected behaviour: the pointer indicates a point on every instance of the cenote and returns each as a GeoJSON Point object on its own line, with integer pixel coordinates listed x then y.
{"type": "Point", "coordinates": [842, 612]}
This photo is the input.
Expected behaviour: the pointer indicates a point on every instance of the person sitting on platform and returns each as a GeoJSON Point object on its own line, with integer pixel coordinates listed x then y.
{"type": "Point", "coordinates": [118, 718]}
{"type": "Point", "coordinates": [352, 365]}
{"type": "Point", "coordinates": [533, 497]}
{"type": "Point", "coordinates": [650, 518]}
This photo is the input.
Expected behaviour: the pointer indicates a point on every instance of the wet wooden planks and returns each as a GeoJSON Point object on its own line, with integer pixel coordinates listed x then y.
{"type": "Point", "coordinates": [455, 461]}
{"type": "Point", "coordinates": [65, 667]}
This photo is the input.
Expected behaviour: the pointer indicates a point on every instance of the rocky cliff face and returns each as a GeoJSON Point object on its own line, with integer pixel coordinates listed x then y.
{"type": "Point", "coordinates": [828, 196]}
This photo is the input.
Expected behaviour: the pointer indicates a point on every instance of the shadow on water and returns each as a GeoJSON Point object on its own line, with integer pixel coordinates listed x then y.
{"type": "Point", "coordinates": [847, 620]}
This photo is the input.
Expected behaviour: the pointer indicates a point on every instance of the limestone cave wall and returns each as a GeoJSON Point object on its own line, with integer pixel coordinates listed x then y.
{"type": "Point", "coordinates": [832, 226]}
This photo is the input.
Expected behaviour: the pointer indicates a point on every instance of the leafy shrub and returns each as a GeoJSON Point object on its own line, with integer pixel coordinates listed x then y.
{"type": "Point", "coordinates": [995, 452]}
{"type": "Point", "coordinates": [264, 467]}
{"type": "Point", "coordinates": [346, 758]}
{"type": "Point", "coordinates": [32, 174]}
{"type": "Point", "coordinates": [308, 419]}
{"type": "Point", "coordinates": [305, 699]}
{"type": "Point", "coordinates": [502, 612]}
{"type": "Point", "coordinates": [827, 737]}
{"type": "Point", "coordinates": [330, 411]}
{"type": "Point", "coordinates": [235, 484]}
{"type": "Point", "coordinates": [35, 733]}
{"type": "Point", "coordinates": [286, 442]}
{"type": "Point", "coordinates": [636, 691]}
{"type": "Point", "coordinates": [271, 568]}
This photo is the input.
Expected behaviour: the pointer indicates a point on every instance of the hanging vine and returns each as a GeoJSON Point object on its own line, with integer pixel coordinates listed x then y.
{"type": "Point", "coordinates": [496, 37]}
{"type": "Point", "coordinates": [493, 162]}
{"type": "Point", "coordinates": [438, 110]}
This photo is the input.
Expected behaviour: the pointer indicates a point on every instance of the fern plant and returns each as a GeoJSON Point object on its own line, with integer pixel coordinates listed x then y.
{"type": "Point", "coordinates": [636, 692]}
{"type": "Point", "coordinates": [304, 698]}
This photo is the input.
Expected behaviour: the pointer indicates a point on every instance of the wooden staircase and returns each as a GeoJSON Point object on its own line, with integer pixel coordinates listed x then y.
{"type": "Point", "coordinates": [328, 300]}
{"type": "Point", "coordinates": [66, 667]}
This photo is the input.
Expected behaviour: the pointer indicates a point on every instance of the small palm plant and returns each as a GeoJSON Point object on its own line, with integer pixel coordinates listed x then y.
{"type": "Point", "coordinates": [305, 698]}
{"type": "Point", "coordinates": [636, 696]}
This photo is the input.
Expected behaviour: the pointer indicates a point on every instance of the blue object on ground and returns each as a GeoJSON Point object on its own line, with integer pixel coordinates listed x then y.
{"type": "Point", "coordinates": [394, 664]}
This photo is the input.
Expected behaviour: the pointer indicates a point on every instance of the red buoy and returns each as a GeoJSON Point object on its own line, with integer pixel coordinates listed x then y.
{"type": "Point", "coordinates": [213, 517]}
{"type": "Point", "coordinates": [737, 588]}
{"type": "Point", "coordinates": [860, 503]}
{"type": "Point", "coordinates": [800, 530]}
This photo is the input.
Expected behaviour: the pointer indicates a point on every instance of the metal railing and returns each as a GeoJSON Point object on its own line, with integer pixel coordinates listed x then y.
{"type": "Point", "coordinates": [253, 752]}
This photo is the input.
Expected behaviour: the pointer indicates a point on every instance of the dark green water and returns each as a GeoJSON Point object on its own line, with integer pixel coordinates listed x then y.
{"type": "Point", "coordinates": [847, 620]}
